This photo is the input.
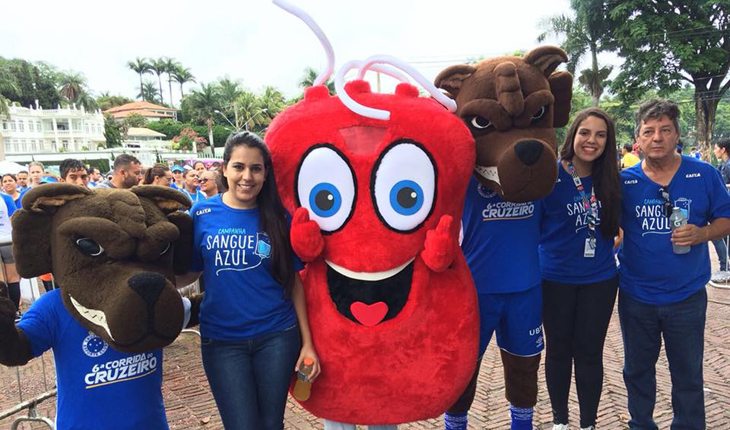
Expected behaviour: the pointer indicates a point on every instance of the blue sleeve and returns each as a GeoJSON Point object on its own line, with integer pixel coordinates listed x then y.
{"type": "Point", "coordinates": [10, 204]}
{"type": "Point", "coordinates": [719, 197]}
{"type": "Point", "coordinates": [296, 261]}
{"type": "Point", "coordinates": [40, 323]}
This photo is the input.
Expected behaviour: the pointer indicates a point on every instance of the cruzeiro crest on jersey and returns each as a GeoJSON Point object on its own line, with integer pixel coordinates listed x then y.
{"type": "Point", "coordinates": [94, 346]}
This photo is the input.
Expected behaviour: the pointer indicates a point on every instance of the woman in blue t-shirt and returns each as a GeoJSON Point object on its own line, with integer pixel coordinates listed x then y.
{"type": "Point", "coordinates": [253, 319]}
{"type": "Point", "coordinates": [578, 266]}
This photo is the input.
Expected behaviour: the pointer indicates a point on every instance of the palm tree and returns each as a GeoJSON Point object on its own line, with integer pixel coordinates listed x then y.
{"type": "Point", "coordinates": [170, 66]}
{"type": "Point", "coordinates": [229, 91]}
{"type": "Point", "coordinates": [273, 101]}
{"type": "Point", "coordinates": [141, 66]}
{"type": "Point", "coordinates": [182, 75]}
{"type": "Point", "coordinates": [72, 85]}
{"type": "Point", "coordinates": [310, 75]}
{"type": "Point", "coordinates": [159, 66]}
{"type": "Point", "coordinates": [585, 33]}
{"type": "Point", "coordinates": [594, 83]}
{"type": "Point", "coordinates": [149, 92]}
{"type": "Point", "coordinates": [203, 103]}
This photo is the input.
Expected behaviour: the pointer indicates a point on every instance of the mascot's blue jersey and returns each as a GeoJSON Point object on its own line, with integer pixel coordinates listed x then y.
{"type": "Point", "coordinates": [564, 234]}
{"type": "Point", "coordinates": [242, 299]}
{"type": "Point", "coordinates": [99, 387]}
{"type": "Point", "coordinates": [500, 241]}
{"type": "Point", "coordinates": [650, 271]}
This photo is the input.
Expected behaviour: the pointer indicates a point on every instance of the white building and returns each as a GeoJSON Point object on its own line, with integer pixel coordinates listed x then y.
{"type": "Point", "coordinates": [144, 138]}
{"type": "Point", "coordinates": [38, 130]}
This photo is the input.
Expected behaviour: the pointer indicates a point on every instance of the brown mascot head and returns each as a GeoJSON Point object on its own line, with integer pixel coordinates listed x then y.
{"type": "Point", "coordinates": [114, 254]}
{"type": "Point", "coordinates": [512, 106]}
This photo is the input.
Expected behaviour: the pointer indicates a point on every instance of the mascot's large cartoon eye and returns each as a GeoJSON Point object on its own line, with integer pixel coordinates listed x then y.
{"type": "Point", "coordinates": [326, 187]}
{"type": "Point", "coordinates": [89, 247]}
{"type": "Point", "coordinates": [539, 114]}
{"type": "Point", "coordinates": [479, 122]}
{"type": "Point", "coordinates": [404, 186]}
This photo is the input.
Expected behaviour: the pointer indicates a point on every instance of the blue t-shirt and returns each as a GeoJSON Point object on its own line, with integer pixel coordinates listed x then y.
{"type": "Point", "coordinates": [564, 234]}
{"type": "Point", "coordinates": [98, 387]}
{"type": "Point", "coordinates": [500, 241]}
{"type": "Point", "coordinates": [242, 299]}
{"type": "Point", "coordinates": [195, 197]}
{"type": "Point", "coordinates": [650, 271]}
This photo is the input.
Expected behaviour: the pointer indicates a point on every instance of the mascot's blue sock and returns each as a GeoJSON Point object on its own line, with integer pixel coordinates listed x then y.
{"type": "Point", "coordinates": [521, 418]}
{"type": "Point", "coordinates": [455, 421]}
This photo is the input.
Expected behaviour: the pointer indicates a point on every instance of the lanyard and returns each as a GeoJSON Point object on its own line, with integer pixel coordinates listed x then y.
{"type": "Point", "coordinates": [589, 204]}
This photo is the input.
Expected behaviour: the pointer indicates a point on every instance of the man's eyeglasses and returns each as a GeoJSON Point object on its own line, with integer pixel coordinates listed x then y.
{"type": "Point", "coordinates": [666, 202]}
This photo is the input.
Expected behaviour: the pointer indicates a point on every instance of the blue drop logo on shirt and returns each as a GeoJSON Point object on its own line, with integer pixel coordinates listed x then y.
{"type": "Point", "coordinates": [94, 346]}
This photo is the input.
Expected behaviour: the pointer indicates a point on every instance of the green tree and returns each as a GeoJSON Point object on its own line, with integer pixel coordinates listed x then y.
{"type": "Point", "coordinates": [149, 92]}
{"type": "Point", "coordinates": [135, 120]}
{"type": "Point", "coordinates": [202, 104]}
{"type": "Point", "coordinates": [140, 66]}
{"type": "Point", "coordinates": [182, 75]}
{"type": "Point", "coordinates": [73, 88]}
{"type": "Point", "coordinates": [310, 75]}
{"type": "Point", "coordinates": [668, 43]}
{"type": "Point", "coordinates": [159, 66]}
{"type": "Point", "coordinates": [584, 34]}
{"type": "Point", "coordinates": [27, 82]}
{"type": "Point", "coordinates": [170, 128]}
{"type": "Point", "coordinates": [106, 101]}
{"type": "Point", "coordinates": [112, 132]}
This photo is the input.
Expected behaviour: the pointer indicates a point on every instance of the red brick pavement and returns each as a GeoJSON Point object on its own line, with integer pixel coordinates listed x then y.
{"type": "Point", "coordinates": [190, 405]}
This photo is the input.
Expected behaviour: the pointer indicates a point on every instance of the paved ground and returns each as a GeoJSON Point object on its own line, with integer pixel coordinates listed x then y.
{"type": "Point", "coordinates": [190, 405]}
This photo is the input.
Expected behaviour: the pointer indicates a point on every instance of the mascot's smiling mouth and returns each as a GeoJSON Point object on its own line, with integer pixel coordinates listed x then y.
{"type": "Point", "coordinates": [369, 298]}
{"type": "Point", "coordinates": [488, 173]}
{"type": "Point", "coordinates": [92, 315]}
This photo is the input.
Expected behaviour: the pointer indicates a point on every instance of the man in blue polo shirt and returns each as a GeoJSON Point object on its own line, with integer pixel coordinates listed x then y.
{"type": "Point", "coordinates": [662, 294]}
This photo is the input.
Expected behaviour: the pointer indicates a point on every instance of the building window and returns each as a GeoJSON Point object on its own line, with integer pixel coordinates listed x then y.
{"type": "Point", "coordinates": [21, 125]}
{"type": "Point", "coordinates": [13, 126]}
{"type": "Point", "coordinates": [65, 145]}
{"type": "Point", "coordinates": [5, 125]}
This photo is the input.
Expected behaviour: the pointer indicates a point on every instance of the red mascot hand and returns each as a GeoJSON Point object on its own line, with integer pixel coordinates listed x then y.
{"type": "Point", "coordinates": [306, 237]}
{"type": "Point", "coordinates": [440, 246]}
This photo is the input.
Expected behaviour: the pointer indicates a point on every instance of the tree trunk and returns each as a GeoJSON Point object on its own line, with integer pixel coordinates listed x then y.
{"type": "Point", "coordinates": [141, 87]}
{"type": "Point", "coordinates": [169, 84]}
{"type": "Point", "coordinates": [159, 82]}
{"type": "Point", "coordinates": [705, 110]}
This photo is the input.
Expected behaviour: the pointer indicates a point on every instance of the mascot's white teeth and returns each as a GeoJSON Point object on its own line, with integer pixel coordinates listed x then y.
{"type": "Point", "coordinates": [93, 316]}
{"type": "Point", "coordinates": [489, 173]}
{"type": "Point", "coordinates": [368, 276]}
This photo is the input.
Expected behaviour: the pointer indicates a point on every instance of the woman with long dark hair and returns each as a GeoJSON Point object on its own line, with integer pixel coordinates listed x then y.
{"type": "Point", "coordinates": [253, 319]}
{"type": "Point", "coordinates": [579, 272]}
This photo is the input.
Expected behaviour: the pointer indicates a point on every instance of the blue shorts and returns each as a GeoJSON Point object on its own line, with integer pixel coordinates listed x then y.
{"type": "Point", "coordinates": [517, 319]}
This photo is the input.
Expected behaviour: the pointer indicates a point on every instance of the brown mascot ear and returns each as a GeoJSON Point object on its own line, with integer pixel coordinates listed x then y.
{"type": "Point", "coordinates": [546, 58]}
{"type": "Point", "coordinates": [561, 85]}
{"type": "Point", "coordinates": [32, 226]}
{"type": "Point", "coordinates": [451, 78]}
{"type": "Point", "coordinates": [171, 202]}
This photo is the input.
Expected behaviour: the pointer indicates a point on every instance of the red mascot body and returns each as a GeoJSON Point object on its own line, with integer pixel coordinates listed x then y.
{"type": "Point", "coordinates": [376, 205]}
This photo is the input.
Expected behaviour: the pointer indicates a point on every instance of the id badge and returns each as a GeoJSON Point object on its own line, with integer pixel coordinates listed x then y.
{"type": "Point", "coordinates": [589, 249]}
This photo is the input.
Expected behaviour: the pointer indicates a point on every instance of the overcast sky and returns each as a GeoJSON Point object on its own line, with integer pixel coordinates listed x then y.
{"type": "Point", "coordinates": [256, 42]}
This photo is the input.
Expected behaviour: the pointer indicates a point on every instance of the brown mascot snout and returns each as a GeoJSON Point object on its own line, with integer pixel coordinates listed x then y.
{"type": "Point", "coordinates": [512, 106]}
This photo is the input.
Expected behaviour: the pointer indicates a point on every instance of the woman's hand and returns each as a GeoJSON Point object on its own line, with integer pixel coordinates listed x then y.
{"type": "Point", "coordinates": [308, 351]}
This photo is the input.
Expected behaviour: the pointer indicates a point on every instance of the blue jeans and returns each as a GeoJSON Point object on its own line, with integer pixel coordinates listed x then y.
{"type": "Point", "coordinates": [682, 326]}
{"type": "Point", "coordinates": [250, 378]}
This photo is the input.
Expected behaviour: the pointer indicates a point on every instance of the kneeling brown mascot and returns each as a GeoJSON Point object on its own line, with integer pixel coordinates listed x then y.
{"type": "Point", "coordinates": [512, 106]}
{"type": "Point", "coordinates": [114, 254]}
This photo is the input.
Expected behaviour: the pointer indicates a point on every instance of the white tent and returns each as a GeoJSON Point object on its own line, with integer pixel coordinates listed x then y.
{"type": "Point", "coordinates": [10, 167]}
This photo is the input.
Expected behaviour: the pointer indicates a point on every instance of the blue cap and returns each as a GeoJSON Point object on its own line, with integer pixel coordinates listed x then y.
{"type": "Point", "coordinates": [177, 169]}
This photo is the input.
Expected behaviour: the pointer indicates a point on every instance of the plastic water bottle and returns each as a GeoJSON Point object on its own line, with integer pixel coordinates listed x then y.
{"type": "Point", "coordinates": [303, 386]}
{"type": "Point", "coordinates": [676, 220]}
